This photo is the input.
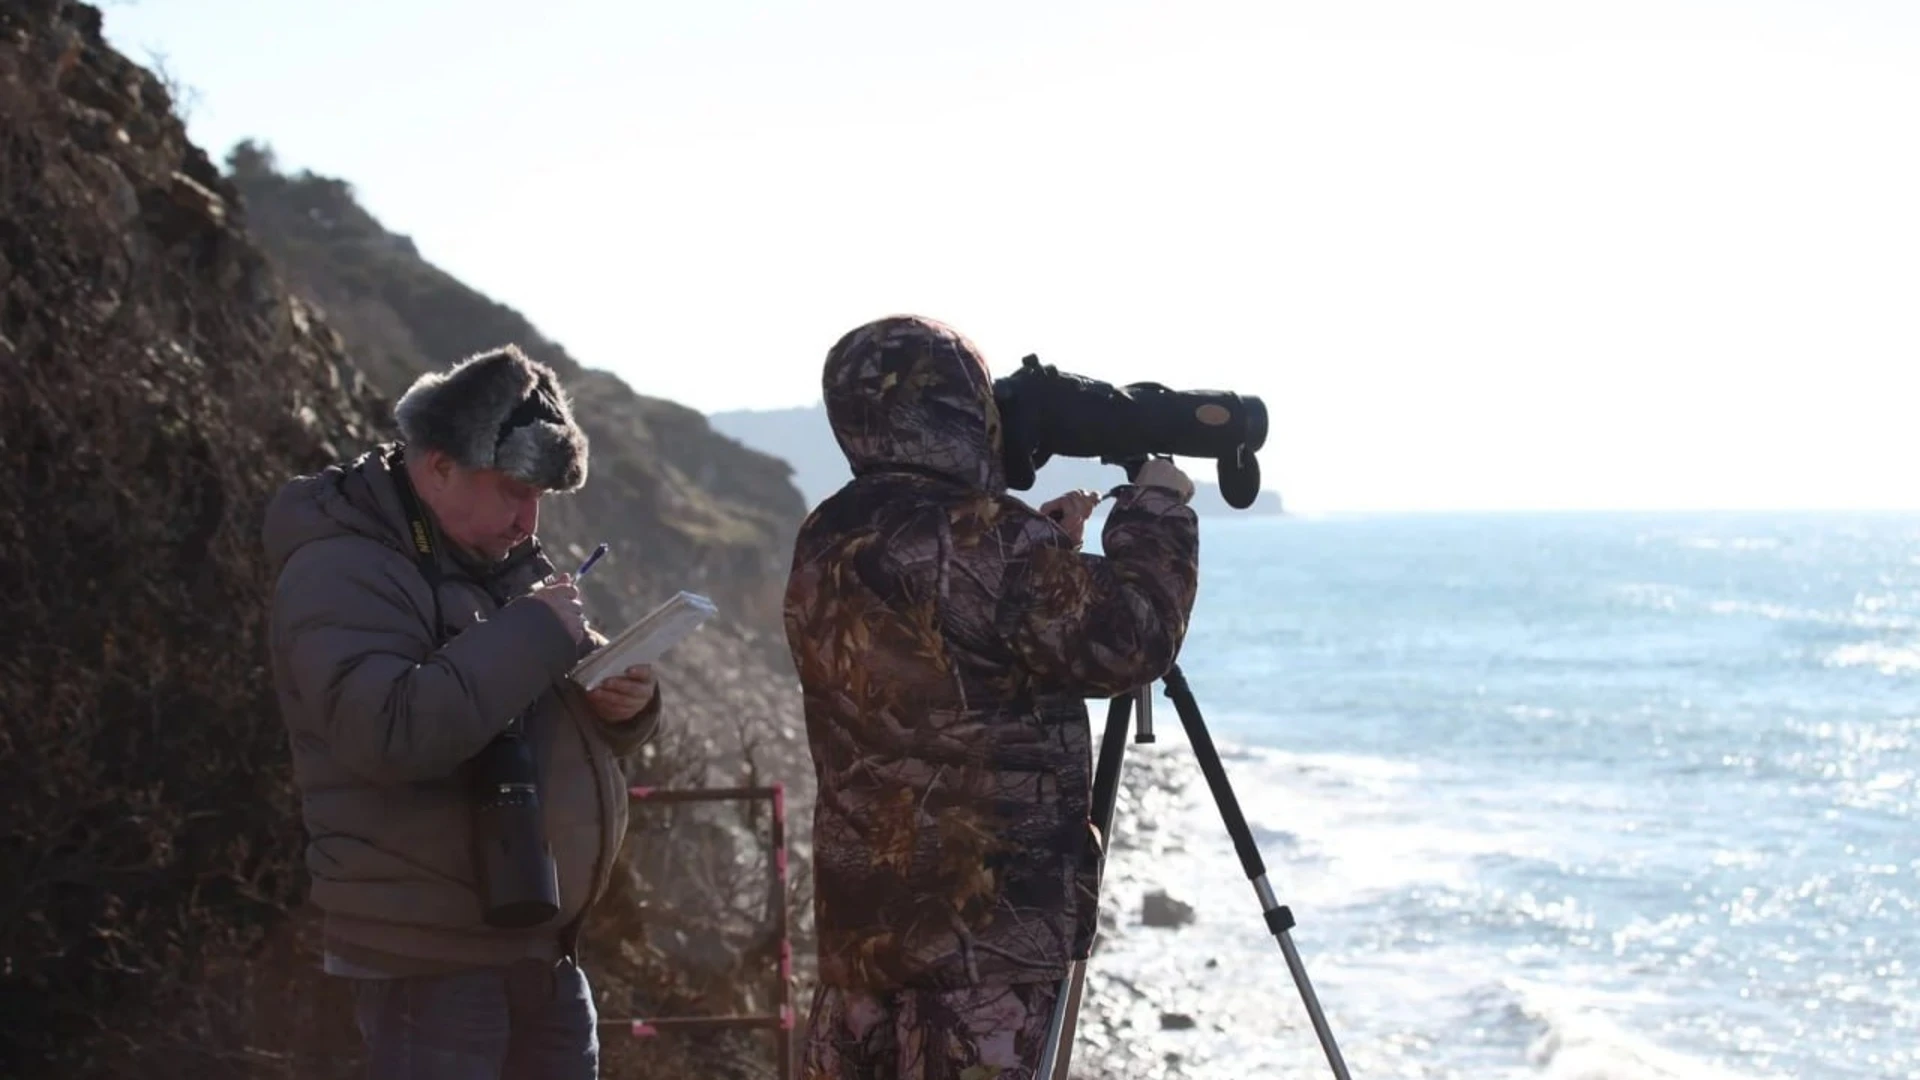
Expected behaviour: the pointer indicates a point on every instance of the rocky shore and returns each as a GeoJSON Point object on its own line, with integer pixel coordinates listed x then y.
{"type": "Point", "coordinates": [1133, 1028]}
{"type": "Point", "coordinates": [1167, 989]}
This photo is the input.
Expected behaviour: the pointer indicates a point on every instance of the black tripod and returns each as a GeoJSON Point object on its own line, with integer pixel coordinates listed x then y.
{"type": "Point", "coordinates": [1106, 788]}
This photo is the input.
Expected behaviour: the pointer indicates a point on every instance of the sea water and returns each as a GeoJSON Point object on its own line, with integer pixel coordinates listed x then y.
{"type": "Point", "coordinates": [1589, 797]}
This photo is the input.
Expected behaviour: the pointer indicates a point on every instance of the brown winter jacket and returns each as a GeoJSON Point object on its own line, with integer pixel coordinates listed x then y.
{"type": "Point", "coordinates": [947, 636]}
{"type": "Point", "coordinates": [381, 723]}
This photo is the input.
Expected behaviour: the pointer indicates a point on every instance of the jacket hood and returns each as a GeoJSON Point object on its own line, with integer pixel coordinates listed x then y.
{"type": "Point", "coordinates": [356, 497]}
{"type": "Point", "coordinates": [912, 393]}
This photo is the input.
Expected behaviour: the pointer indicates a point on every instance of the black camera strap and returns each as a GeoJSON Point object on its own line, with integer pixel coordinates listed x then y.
{"type": "Point", "coordinates": [420, 534]}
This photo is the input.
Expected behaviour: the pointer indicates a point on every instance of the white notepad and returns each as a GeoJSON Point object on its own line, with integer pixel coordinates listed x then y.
{"type": "Point", "coordinates": [646, 640]}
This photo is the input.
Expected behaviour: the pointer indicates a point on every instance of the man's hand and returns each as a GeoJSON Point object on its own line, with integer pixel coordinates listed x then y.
{"type": "Point", "coordinates": [1070, 511]}
{"type": "Point", "coordinates": [621, 697]}
{"type": "Point", "coordinates": [560, 594]}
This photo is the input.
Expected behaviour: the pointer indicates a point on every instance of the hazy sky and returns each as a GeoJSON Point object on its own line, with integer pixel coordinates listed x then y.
{"type": "Point", "coordinates": [1639, 253]}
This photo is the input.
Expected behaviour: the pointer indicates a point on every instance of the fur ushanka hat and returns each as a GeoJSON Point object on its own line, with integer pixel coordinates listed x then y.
{"type": "Point", "coordinates": [498, 410]}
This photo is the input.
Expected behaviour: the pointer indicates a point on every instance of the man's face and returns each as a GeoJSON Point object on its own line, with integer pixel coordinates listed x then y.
{"type": "Point", "coordinates": [484, 511]}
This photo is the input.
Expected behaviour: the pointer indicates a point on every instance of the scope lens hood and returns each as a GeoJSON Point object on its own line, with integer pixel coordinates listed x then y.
{"type": "Point", "coordinates": [1256, 422]}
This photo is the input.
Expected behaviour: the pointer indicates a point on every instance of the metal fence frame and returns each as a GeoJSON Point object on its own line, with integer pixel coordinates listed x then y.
{"type": "Point", "coordinates": [781, 1023]}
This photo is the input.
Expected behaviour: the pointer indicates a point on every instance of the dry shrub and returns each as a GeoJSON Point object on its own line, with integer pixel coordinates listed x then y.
{"type": "Point", "coordinates": [152, 388]}
{"type": "Point", "coordinates": [690, 928]}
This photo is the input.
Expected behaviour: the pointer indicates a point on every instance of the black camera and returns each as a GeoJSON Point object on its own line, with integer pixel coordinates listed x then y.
{"type": "Point", "coordinates": [1045, 411]}
{"type": "Point", "coordinates": [519, 881]}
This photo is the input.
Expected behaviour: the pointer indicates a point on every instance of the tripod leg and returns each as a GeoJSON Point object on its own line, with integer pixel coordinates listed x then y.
{"type": "Point", "coordinates": [1067, 1011]}
{"type": "Point", "coordinates": [1057, 1050]}
{"type": "Point", "coordinates": [1279, 917]}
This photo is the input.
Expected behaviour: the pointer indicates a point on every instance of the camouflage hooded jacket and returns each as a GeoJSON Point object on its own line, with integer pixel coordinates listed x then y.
{"type": "Point", "coordinates": [946, 637]}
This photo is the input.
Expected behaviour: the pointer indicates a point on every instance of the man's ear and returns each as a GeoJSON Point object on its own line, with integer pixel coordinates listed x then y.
{"type": "Point", "coordinates": [440, 467]}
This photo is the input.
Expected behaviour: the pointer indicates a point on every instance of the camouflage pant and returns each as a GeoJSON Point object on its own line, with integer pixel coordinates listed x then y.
{"type": "Point", "coordinates": [977, 1033]}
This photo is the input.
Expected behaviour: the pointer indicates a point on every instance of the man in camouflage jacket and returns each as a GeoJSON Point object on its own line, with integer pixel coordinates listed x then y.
{"type": "Point", "coordinates": [946, 637]}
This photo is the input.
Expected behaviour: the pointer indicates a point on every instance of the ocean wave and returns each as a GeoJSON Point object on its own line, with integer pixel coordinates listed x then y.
{"type": "Point", "coordinates": [1651, 595]}
{"type": "Point", "coordinates": [1415, 988]}
{"type": "Point", "coordinates": [1868, 611]}
{"type": "Point", "coordinates": [1861, 740]}
{"type": "Point", "coordinates": [1364, 769]}
{"type": "Point", "coordinates": [1340, 820]}
{"type": "Point", "coordinates": [1889, 792]}
{"type": "Point", "coordinates": [1577, 1041]}
{"type": "Point", "coordinates": [1884, 657]}
{"type": "Point", "coordinates": [1731, 543]}
{"type": "Point", "coordinates": [1864, 615]}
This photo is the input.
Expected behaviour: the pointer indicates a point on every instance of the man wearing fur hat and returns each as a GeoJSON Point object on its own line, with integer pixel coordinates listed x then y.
{"type": "Point", "coordinates": [414, 619]}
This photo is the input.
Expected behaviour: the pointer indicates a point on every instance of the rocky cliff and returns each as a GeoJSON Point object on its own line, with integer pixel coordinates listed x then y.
{"type": "Point", "coordinates": [174, 343]}
{"type": "Point", "coordinates": [682, 507]}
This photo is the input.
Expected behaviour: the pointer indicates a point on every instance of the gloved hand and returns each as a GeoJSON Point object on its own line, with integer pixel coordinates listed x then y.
{"type": "Point", "coordinates": [1163, 473]}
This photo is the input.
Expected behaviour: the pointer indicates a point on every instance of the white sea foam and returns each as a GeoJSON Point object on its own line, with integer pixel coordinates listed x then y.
{"type": "Point", "coordinates": [1578, 1041]}
{"type": "Point", "coordinates": [1862, 616]}
{"type": "Point", "coordinates": [1869, 611]}
{"type": "Point", "coordinates": [1731, 543]}
{"type": "Point", "coordinates": [1403, 1001]}
{"type": "Point", "coordinates": [1884, 657]}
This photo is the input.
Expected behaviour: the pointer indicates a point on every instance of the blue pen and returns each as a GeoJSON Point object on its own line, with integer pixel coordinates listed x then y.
{"type": "Point", "coordinates": [591, 559]}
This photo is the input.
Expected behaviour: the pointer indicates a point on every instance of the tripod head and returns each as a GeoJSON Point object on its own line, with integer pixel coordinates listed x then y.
{"type": "Point", "coordinates": [1143, 714]}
